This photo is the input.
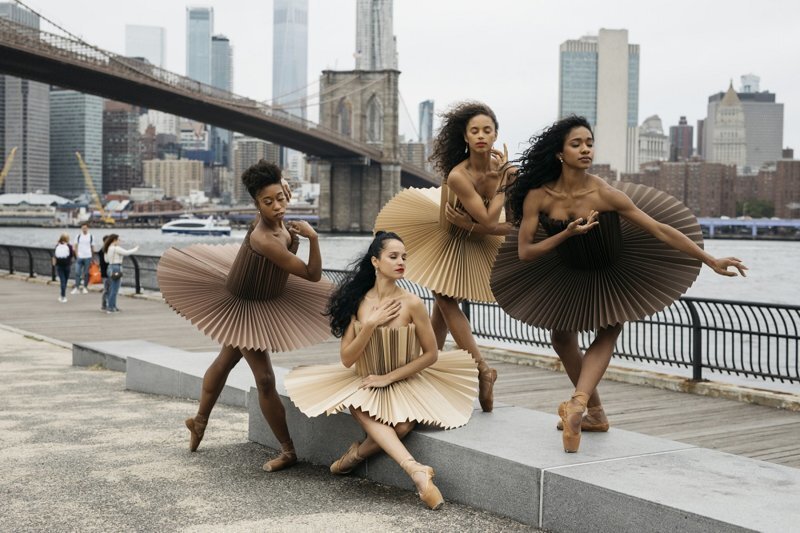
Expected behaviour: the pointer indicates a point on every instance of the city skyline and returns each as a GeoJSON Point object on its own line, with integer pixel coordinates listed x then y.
{"type": "Point", "coordinates": [675, 48]}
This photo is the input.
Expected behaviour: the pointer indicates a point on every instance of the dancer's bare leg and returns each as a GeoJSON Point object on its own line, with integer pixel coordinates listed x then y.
{"type": "Point", "coordinates": [565, 343]}
{"type": "Point", "coordinates": [596, 360]}
{"type": "Point", "coordinates": [271, 408]}
{"type": "Point", "coordinates": [213, 382]}
{"type": "Point", "coordinates": [461, 330]}
{"type": "Point", "coordinates": [439, 326]}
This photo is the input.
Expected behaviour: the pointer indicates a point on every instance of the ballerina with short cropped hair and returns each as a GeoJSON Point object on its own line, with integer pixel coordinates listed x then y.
{"type": "Point", "coordinates": [252, 299]}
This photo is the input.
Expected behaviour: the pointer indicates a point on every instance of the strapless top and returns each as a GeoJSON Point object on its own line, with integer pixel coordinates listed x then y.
{"type": "Point", "coordinates": [598, 248]}
{"type": "Point", "coordinates": [449, 197]}
{"type": "Point", "coordinates": [388, 349]}
{"type": "Point", "coordinates": [253, 276]}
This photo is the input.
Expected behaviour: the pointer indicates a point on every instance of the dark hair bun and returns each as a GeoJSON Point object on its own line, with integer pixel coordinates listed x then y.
{"type": "Point", "coordinates": [260, 175]}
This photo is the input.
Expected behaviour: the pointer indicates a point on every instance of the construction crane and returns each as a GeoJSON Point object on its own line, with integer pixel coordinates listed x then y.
{"type": "Point", "coordinates": [7, 166]}
{"type": "Point", "coordinates": [105, 217]}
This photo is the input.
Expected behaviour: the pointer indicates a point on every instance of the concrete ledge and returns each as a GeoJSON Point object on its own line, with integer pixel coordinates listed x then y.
{"type": "Point", "coordinates": [113, 355]}
{"type": "Point", "coordinates": [511, 463]}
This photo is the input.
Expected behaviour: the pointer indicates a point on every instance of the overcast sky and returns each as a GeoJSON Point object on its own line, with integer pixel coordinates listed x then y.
{"type": "Point", "coordinates": [503, 52]}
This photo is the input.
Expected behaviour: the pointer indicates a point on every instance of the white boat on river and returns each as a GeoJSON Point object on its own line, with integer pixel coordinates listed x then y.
{"type": "Point", "coordinates": [189, 225]}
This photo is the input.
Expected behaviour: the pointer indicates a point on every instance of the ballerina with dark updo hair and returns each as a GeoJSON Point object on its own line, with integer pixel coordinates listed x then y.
{"type": "Point", "coordinates": [453, 232]}
{"type": "Point", "coordinates": [391, 375]}
{"type": "Point", "coordinates": [249, 298]}
{"type": "Point", "coordinates": [590, 256]}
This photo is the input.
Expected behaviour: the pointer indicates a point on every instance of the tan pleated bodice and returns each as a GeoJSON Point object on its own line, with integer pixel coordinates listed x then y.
{"type": "Point", "coordinates": [449, 197]}
{"type": "Point", "coordinates": [388, 349]}
{"type": "Point", "coordinates": [253, 276]}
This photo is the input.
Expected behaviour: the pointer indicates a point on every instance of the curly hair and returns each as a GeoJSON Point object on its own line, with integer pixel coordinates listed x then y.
{"type": "Point", "coordinates": [260, 175]}
{"type": "Point", "coordinates": [360, 278]}
{"type": "Point", "coordinates": [539, 164]}
{"type": "Point", "coordinates": [449, 146]}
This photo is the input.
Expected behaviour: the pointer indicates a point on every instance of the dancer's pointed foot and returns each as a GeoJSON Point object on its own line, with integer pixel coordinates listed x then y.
{"type": "Point", "coordinates": [287, 458]}
{"type": "Point", "coordinates": [571, 414]}
{"type": "Point", "coordinates": [594, 420]}
{"type": "Point", "coordinates": [486, 378]}
{"type": "Point", "coordinates": [347, 462]}
{"type": "Point", "coordinates": [422, 476]}
{"type": "Point", "coordinates": [197, 428]}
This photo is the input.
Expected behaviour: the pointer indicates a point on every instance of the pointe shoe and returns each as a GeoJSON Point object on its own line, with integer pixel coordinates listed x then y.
{"type": "Point", "coordinates": [197, 428]}
{"type": "Point", "coordinates": [571, 416]}
{"type": "Point", "coordinates": [430, 495]}
{"type": "Point", "coordinates": [486, 378]}
{"type": "Point", "coordinates": [287, 458]}
{"type": "Point", "coordinates": [594, 421]}
{"type": "Point", "coordinates": [347, 462]}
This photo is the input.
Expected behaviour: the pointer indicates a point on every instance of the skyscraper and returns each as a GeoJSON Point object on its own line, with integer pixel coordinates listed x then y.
{"type": "Point", "coordinates": [290, 69]}
{"type": "Point", "coordinates": [599, 79]}
{"type": "Point", "coordinates": [76, 125]}
{"type": "Point", "coordinates": [290, 55]}
{"type": "Point", "coordinates": [763, 125]}
{"type": "Point", "coordinates": [376, 45]}
{"type": "Point", "coordinates": [653, 144]}
{"type": "Point", "coordinates": [426, 126]}
{"type": "Point", "coordinates": [199, 27]}
{"type": "Point", "coordinates": [680, 141]}
{"type": "Point", "coordinates": [222, 78]}
{"type": "Point", "coordinates": [149, 42]}
{"type": "Point", "coordinates": [728, 141]}
{"type": "Point", "coordinates": [122, 164]}
{"type": "Point", "coordinates": [24, 121]}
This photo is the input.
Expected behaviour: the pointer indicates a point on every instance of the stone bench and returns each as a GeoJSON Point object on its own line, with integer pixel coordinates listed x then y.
{"type": "Point", "coordinates": [511, 463]}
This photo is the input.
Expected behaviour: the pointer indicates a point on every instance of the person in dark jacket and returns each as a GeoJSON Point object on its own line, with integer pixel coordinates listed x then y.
{"type": "Point", "coordinates": [62, 260]}
{"type": "Point", "coordinates": [101, 256]}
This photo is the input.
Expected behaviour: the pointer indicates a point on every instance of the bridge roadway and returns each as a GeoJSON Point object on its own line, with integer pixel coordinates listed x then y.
{"type": "Point", "coordinates": [72, 64]}
{"type": "Point", "coordinates": [749, 430]}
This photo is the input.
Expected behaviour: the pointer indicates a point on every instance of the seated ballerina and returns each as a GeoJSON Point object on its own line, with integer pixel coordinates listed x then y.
{"type": "Point", "coordinates": [390, 376]}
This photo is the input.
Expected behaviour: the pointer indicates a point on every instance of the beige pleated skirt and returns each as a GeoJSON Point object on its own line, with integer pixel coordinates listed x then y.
{"type": "Point", "coordinates": [277, 312]}
{"type": "Point", "coordinates": [440, 395]}
{"type": "Point", "coordinates": [576, 288]}
{"type": "Point", "coordinates": [441, 257]}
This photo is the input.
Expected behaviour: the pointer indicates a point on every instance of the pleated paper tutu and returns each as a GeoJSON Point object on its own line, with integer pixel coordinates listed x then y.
{"type": "Point", "coordinates": [441, 257]}
{"type": "Point", "coordinates": [615, 273]}
{"type": "Point", "coordinates": [440, 395]}
{"type": "Point", "coordinates": [241, 299]}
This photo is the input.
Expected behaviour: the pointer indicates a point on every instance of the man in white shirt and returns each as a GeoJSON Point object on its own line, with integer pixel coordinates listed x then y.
{"type": "Point", "coordinates": [84, 250]}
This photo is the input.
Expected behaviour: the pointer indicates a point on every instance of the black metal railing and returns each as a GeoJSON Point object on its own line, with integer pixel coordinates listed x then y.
{"type": "Point", "coordinates": [751, 339]}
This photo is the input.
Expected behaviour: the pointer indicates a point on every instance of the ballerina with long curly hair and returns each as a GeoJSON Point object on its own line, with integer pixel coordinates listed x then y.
{"type": "Point", "coordinates": [391, 374]}
{"type": "Point", "coordinates": [248, 297]}
{"type": "Point", "coordinates": [453, 232]}
{"type": "Point", "coordinates": [589, 256]}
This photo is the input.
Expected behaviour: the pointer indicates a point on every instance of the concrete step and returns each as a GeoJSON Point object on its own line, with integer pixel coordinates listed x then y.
{"type": "Point", "coordinates": [511, 463]}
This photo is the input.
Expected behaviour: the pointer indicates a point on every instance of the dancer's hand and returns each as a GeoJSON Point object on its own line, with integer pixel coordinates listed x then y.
{"type": "Point", "coordinates": [375, 382]}
{"type": "Point", "coordinates": [457, 217]}
{"type": "Point", "coordinates": [720, 266]}
{"type": "Point", "coordinates": [502, 163]}
{"type": "Point", "coordinates": [302, 228]}
{"type": "Point", "coordinates": [582, 225]}
{"type": "Point", "coordinates": [382, 313]}
{"type": "Point", "coordinates": [287, 191]}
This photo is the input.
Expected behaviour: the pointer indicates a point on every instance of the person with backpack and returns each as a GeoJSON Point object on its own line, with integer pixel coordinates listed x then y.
{"type": "Point", "coordinates": [84, 246]}
{"type": "Point", "coordinates": [62, 260]}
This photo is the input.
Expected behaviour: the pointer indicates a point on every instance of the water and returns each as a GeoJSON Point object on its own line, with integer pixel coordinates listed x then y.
{"type": "Point", "coordinates": [772, 277]}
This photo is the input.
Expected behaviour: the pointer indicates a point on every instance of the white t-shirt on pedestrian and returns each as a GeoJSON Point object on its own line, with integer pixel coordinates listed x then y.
{"type": "Point", "coordinates": [84, 245]}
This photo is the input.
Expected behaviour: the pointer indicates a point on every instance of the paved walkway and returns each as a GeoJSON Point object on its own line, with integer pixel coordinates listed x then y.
{"type": "Point", "coordinates": [750, 430]}
{"type": "Point", "coordinates": [81, 453]}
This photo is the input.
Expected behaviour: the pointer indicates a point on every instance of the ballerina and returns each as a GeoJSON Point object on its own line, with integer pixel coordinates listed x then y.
{"type": "Point", "coordinates": [453, 233]}
{"type": "Point", "coordinates": [390, 376]}
{"type": "Point", "coordinates": [607, 255]}
{"type": "Point", "coordinates": [248, 299]}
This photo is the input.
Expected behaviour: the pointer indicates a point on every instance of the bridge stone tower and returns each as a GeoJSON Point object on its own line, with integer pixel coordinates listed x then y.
{"type": "Point", "coordinates": [364, 106]}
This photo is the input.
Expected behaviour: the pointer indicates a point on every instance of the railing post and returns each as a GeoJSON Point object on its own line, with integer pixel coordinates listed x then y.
{"type": "Point", "coordinates": [31, 273]}
{"type": "Point", "coordinates": [137, 280]}
{"type": "Point", "coordinates": [10, 260]}
{"type": "Point", "coordinates": [466, 309]}
{"type": "Point", "coordinates": [697, 343]}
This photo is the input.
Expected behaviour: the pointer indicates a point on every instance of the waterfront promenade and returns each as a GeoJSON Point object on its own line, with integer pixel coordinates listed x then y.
{"type": "Point", "coordinates": [753, 431]}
